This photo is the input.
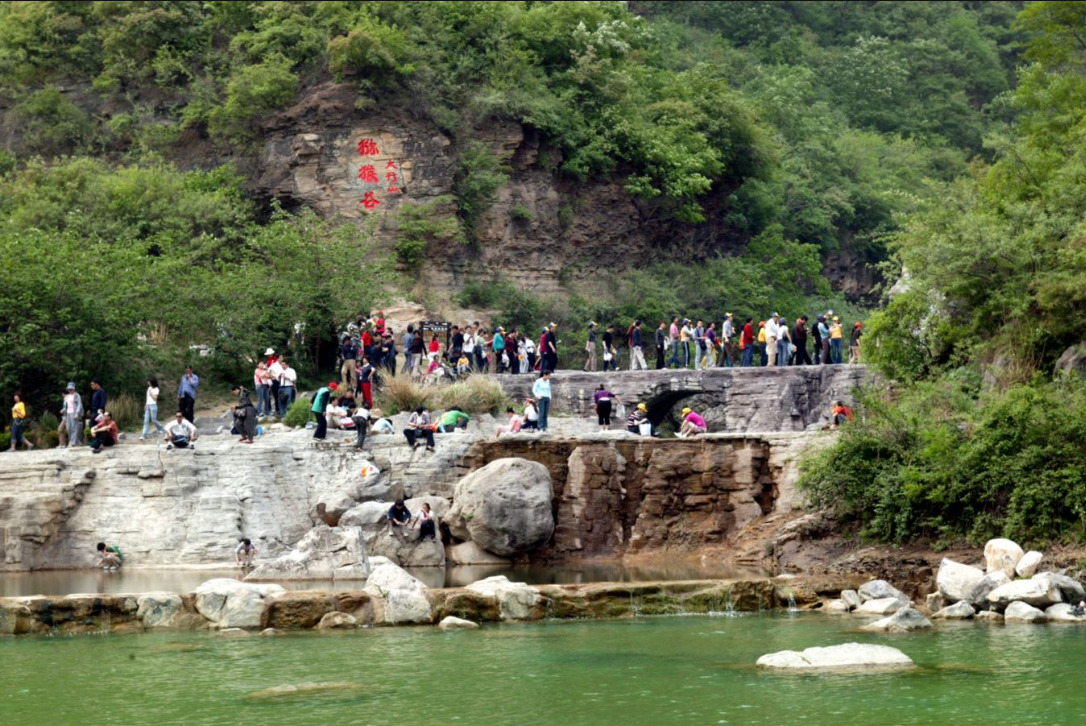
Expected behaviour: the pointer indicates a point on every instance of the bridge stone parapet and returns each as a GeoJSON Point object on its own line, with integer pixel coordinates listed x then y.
{"type": "Point", "coordinates": [733, 400]}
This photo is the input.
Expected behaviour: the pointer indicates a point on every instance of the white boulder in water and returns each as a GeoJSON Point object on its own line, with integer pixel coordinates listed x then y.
{"type": "Point", "coordinates": [403, 597]}
{"type": "Point", "coordinates": [1038, 592]}
{"type": "Point", "coordinates": [882, 606]}
{"type": "Point", "coordinates": [233, 604]}
{"type": "Point", "coordinates": [1020, 612]}
{"type": "Point", "coordinates": [957, 611]}
{"type": "Point", "coordinates": [847, 656]}
{"type": "Point", "coordinates": [1002, 555]}
{"type": "Point", "coordinates": [956, 581]}
{"type": "Point", "coordinates": [880, 590]}
{"type": "Point", "coordinates": [516, 599]}
{"type": "Point", "coordinates": [905, 620]}
{"type": "Point", "coordinates": [1027, 566]}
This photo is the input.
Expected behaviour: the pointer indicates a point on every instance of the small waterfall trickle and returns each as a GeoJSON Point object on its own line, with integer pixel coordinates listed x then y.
{"type": "Point", "coordinates": [792, 608]}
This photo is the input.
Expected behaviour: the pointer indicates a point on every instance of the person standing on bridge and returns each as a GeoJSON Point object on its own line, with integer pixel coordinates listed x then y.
{"type": "Point", "coordinates": [854, 343]}
{"type": "Point", "coordinates": [784, 343]}
{"type": "Point", "coordinates": [711, 345]}
{"type": "Point", "coordinates": [727, 335]}
{"type": "Point", "coordinates": [772, 331]}
{"type": "Point", "coordinates": [604, 401]}
{"type": "Point", "coordinates": [661, 344]}
{"type": "Point", "coordinates": [637, 356]}
{"type": "Point", "coordinates": [799, 339]}
{"type": "Point", "coordinates": [746, 342]}
{"type": "Point", "coordinates": [686, 335]}
{"type": "Point", "coordinates": [609, 351]}
{"type": "Point", "coordinates": [551, 347]}
{"type": "Point", "coordinates": [590, 349]}
{"type": "Point", "coordinates": [541, 389]}
{"type": "Point", "coordinates": [673, 341]}
{"type": "Point", "coordinates": [699, 345]}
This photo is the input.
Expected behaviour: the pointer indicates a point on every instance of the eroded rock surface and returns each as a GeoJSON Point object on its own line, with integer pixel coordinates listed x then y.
{"type": "Point", "coordinates": [504, 507]}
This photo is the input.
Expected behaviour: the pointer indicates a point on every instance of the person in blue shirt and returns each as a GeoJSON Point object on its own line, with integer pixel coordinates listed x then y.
{"type": "Point", "coordinates": [186, 394]}
{"type": "Point", "coordinates": [98, 399]}
{"type": "Point", "coordinates": [541, 391]}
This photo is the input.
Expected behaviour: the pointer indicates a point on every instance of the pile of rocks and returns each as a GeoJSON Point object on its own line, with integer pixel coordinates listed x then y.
{"type": "Point", "coordinates": [1009, 589]}
{"type": "Point", "coordinates": [879, 597]}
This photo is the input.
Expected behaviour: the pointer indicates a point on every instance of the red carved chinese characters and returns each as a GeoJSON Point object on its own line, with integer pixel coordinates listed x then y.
{"type": "Point", "coordinates": [369, 201]}
{"type": "Point", "coordinates": [367, 174]}
{"type": "Point", "coordinates": [394, 190]}
{"type": "Point", "coordinates": [391, 177]}
{"type": "Point", "coordinates": [368, 147]}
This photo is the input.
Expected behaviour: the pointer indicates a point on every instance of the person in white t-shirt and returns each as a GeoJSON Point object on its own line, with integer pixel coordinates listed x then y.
{"type": "Point", "coordinates": [150, 409]}
{"type": "Point", "coordinates": [180, 434]}
{"type": "Point", "coordinates": [531, 415]}
{"type": "Point", "coordinates": [288, 381]}
{"type": "Point", "coordinates": [274, 370]}
{"type": "Point", "coordinates": [772, 333]}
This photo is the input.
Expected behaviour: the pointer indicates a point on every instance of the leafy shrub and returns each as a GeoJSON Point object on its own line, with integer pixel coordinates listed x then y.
{"type": "Point", "coordinates": [253, 92]}
{"type": "Point", "coordinates": [480, 175]}
{"type": "Point", "coordinates": [51, 124]}
{"type": "Point", "coordinates": [476, 394]}
{"type": "Point", "coordinates": [298, 414]}
{"type": "Point", "coordinates": [521, 213]}
{"type": "Point", "coordinates": [421, 224]}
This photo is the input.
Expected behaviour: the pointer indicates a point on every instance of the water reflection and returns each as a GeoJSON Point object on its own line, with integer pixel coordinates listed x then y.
{"type": "Point", "coordinates": [65, 582]}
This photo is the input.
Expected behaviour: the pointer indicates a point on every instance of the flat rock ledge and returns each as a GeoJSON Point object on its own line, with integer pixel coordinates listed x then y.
{"type": "Point", "coordinates": [858, 657]}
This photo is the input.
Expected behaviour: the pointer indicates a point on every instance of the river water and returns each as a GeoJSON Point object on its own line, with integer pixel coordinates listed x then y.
{"type": "Point", "coordinates": [645, 671]}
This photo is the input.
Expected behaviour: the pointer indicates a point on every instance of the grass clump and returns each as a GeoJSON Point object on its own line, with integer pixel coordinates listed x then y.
{"type": "Point", "coordinates": [402, 393]}
{"type": "Point", "coordinates": [474, 395]}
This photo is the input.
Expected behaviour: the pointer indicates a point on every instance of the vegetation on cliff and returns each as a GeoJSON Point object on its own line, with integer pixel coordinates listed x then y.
{"type": "Point", "coordinates": [978, 437]}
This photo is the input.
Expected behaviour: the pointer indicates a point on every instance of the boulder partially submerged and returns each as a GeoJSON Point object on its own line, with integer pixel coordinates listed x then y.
{"type": "Point", "coordinates": [325, 553]}
{"type": "Point", "coordinates": [844, 657]}
{"type": "Point", "coordinates": [905, 620]}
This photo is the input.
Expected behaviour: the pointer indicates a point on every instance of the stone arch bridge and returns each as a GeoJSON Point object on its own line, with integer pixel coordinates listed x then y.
{"type": "Point", "coordinates": [734, 400]}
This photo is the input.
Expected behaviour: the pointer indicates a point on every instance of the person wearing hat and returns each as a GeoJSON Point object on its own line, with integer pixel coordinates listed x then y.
{"type": "Point", "coordinates": [244, 415]}
{"type": "Point", "coordinates": [636, 417]}
{"type": "Point", "coordinates": [692, 424]}
{"type": "Point", "coordinates": [320, 405]}
{"type": "Point", "coordinates": [727, 340]}
{"type": "Point", "coordinates": [590, 348]}
{"type": "Point", "coordinates": [71, 417]}
{"type": "Point", "coordinates": [836, 336]}
{"type": "Point", "coordinates": [854, 343]}
{"type": "Point", "coordinates": [772, 333]}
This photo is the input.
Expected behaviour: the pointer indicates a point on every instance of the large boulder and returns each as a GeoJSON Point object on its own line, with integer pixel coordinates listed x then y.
{"type": "Point", "coordinates": [1027, 566]}
{"type": "Point", "coordinates": [848, 656]}
{"type": "Point", "coordinates": [852, 599]}
{"type": "Point", "coordinates": [1063, 612]}
{"type": "Point", "coordinates": [325, 553]}
{"type": "Point", "coordinates": [406, 550]}
{"type": "Point", "coordinates": [1001, 555]}
{"type": "Point", "coordinates": [880, 590]}
{"type": "Point", "coordinates": [989, 616]}
{"type": "Point", "coordinates": [956, 581]}
{"type": "Point", "coordinates": [958, 611]}
{"type": "Point", "coordinates": [836, 606]}
{"type": "Point", "coordinates": [403, 597]}
{"type": "Point", "coordinates": [230, 603]}
{"type": "Point", "coordinates": [905, 620]}
{"type": "Point", "coordinates": [1072, 362]}
{"type": "Point", "coordinates": [505, 507]}
{"type": "Point", "coordinates": [1071, 589]}
{"type": "Point", "coordinates": [337, 621]}
{"type": "Point", "coordinates": [516, 599]}
{"type": "Point", "coordinates": [1038, 592]}
{"type": "Point", "coordinates": [451, 622]}
{"type": "Point", "coordinates": [470, 553]}
{"type": "Point", "coordinates": [1020, 612]}
{"type": "Point", "coordinates": [882, 606]}
{"type": "Point", "coordinates": [978, 596]}
{"type": "Point", "coordinates": [160, 609]}
{"type": "Point", "coordinates": [297, 609]}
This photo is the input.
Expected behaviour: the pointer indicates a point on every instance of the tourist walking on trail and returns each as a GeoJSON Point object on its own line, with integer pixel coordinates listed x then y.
{"type": "Point", "coordinates": [836, 336]}
{"type": "Point", "coordinates": [772, 332]}
{"type": "Point", "coordinates": [71, 418]}
{"type": "Point", "coordinates": [711, 344]}
{"type": "Point", "coordinates": [686, 335]}
{"type": "Point", "coordinates": [150, 409]}
{"type": "Point", "coordinates": [406, 341]}
{"type": "Point", "coordinates": [590, 349]}
{"type": "Point", "coordinates": [418, 348]}
{"type": "Point", "coordinates": [244, 415]}
{"type": "Point", "coordinates": [18, 423]}
{"type": "Point", "coordinates": [609, 351]}
{"type": "Point", "coordinates": [541, 391]}
{"type": "Point", "coordinates": [746, 342]}
{"type": "Point", "coordinates": [320, 405]}
{"type": "Point", "coordinates": [186, 394]}
{"type": "Point", "coordinates": [481, 347]}
{"type": "Point", "coordinates": [763, 356]}
{"type": "Point", "coordinates": [288, 386]}
{"type": "Point", "coordinates": [604, 401]}
{"type": "Point", "coordinates": [661, 344]}
{"type": "Point", "coordinates": [727, 335]}
{"type": "Point", "coordinates": [497, 346]}
{"type": "Point", "coordinates": [854, 343]}
{"type": "Point", "coordinates": [799, 339]}
{"type": "Point", "coordinates": [637, 355]}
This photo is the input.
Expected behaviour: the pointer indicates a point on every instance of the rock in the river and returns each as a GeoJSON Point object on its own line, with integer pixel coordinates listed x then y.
{"type": "Point", "coordinates": [403, 597]}
{"type": "Point", "coordinates": [451, 622]}
{"type": "Point", "coordinates": [882, 606]}
{"type": "Point", "coordinates": [989, 616]}
{"type": "Point", "coordinates": [1027, 566]}
{"type": "Point", "coordinates": [306, 691]}
{"type": "Point", "coordinates": [160, 609]}
{"type": "Point", "coordinates": [325, 553]}
{"type": "Point", "coordinates": [836, 606]}
{"type": "Point", "coordinates": [233, 632]}
{"type": "Point", "coordinates": [470, 553]}
{"type": "Point", "coordinates": [233, 604]}
{"type": "Point", "coordinates": [905, 620]}
{"type": "Point", "coordinates": [505, 507]}
{"type": "Point", "coordinates": [515, 598]}
{"type": "Point", "coordinates": [1001, 555]}
{"type": "Point", "coordinates": [405, 551]}
{"type": "Point", "coordinates": [1071, 589]}
{"type": "Point", "coordinates": [935, 601]}
{"type": "Point", "coordinates": [848, 656]}
{"type": "Point", "coordinates": [1038, 592]}
{"type": "Point", "coordinates": [1062, 612]}
{"type": "Point", "coordinates": [956, 581]}
{"type": "Point", "coordinates": [852, 599]}
{"type": "Point", "coordinates": [958, 611]}
{"type": "Point", "coordinates": [1020, 612]}
{"type": "Point", "coordinates": [337, 621]}
{"type": "Point", "coordinates": [978, 596]}
{"type": "Point", "coordinates": [880, 590]}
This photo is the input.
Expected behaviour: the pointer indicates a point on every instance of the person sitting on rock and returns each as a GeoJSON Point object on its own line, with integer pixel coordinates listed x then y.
{"type": "Point", "coordinates": [426, 523]}
{"type": "Point", "coordinates": [454, 419]}
{"type": "Point", "coordinates": [181, 433]}
{"type": "Point", "coordinates": [419, 426]}
{"type": "Point", "coordinates": [381, 423]}
{"type": "Point", "coordinates": [692, 424]}
{"type": "Point", "coordinates": [840, 414]}
{"type": "Point", "coordinates": [399, 519]}
{"type": "Point", "coordinates": [531, 416]}
{"type": "Point", "coordinates": [105, 433]}
{"type": "Point", "coordinates": [513, 427]}
{"type": "Point", "coordinates": [244, 552]}
{"type": "Point", "coordinates": [109, 557]}
{"type": "Point", "coordinates": [636, 417]}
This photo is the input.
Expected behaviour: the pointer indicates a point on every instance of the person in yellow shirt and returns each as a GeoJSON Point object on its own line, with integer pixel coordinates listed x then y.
{"type": "Point", "coordinates": [761, 343]}
{"type": "Point", "coordinates": [836, 334]}
{"type": "Point", "coordinates": [18, 420]}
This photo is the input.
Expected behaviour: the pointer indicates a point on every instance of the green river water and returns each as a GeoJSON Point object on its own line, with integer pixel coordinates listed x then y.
{"type": "Point", "coordinates": [676, 670]}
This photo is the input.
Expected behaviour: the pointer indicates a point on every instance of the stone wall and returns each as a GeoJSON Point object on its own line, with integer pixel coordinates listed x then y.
{"type": "Point", "coordinates": [733, 400]}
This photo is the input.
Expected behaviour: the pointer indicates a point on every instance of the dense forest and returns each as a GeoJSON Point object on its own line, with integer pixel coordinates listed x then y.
{"type": "Point", "coordinates": [938, 141]}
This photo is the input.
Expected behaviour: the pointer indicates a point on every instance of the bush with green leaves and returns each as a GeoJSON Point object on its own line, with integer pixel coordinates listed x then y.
{"type": "Point", "coordinates": [299, 413]}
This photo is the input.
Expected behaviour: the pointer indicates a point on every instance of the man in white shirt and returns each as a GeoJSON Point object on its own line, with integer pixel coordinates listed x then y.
{"type": "Point", "coordinates": [772, 332]}
{"type": "Point", "coordinates": [275, 380]}
{"type": "Point", "coordinates": [288, 379]}
{"type": "Point", "coordinates": [727, 332]}
{"type": "Point", "coordinates": [180, 433]}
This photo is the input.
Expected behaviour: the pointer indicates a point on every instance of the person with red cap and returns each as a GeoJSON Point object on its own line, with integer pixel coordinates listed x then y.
{"type": "Point", "coordinates": [320, 405]}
